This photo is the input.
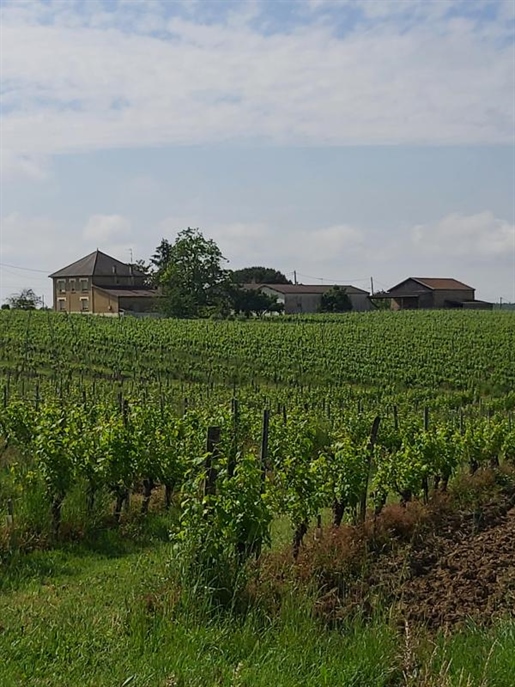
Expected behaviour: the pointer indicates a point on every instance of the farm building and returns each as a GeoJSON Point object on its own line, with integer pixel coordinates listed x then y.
{"type": "Point", "coordinates": [101, 285]}
{"type": "Point", "coordinates": [430, 293]}
{"type": "Point", "coordinates": [305, 298]}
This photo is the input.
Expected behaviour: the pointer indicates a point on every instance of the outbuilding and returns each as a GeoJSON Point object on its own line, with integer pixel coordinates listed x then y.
{"type": "Point", "coordinates": [307, 298]}
{"type": "Point", "coordinates": [416, 293]}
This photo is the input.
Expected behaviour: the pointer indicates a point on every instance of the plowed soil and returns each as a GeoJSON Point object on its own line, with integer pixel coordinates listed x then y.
{"type": "Point", "coordinates": [470, 576]}
{"type": "Point", "coordinates": [438, 565]}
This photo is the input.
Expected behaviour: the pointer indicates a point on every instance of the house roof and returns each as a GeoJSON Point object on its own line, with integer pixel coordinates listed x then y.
{"type": "Point", "coordinates": [97, 264]}
{"type": "Point", "coordinates": [128, 293]}
{"type": "Point", "coordinates": [436, 284]}
{"type": "Point", "coordinates": [305, 289]}
{"type": "Point", "coordinates": [446, 284]}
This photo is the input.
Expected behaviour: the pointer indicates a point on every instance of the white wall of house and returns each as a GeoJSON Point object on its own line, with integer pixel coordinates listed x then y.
{"type": "Point", "coordinates": [296, 303]}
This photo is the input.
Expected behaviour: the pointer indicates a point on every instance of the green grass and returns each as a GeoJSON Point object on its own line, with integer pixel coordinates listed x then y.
{"type": "Point", "coordinates": [92, 620]}
{"type": "Point", "coordinates": [109, 616]}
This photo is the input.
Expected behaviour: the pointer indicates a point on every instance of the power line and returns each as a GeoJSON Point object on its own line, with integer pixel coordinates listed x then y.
{"type": "Point", "coordinates": [382, 284]}
{"type": "Point", "coordinates": [25, 269]}
{"type": "Point", "coordinates": [19, 276]}
{"type": "Point", "coordinates": [328, 279]}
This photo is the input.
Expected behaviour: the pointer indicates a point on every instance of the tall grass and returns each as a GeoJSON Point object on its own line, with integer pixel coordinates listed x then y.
{"type": "Point", "coordinates": [107, 616]}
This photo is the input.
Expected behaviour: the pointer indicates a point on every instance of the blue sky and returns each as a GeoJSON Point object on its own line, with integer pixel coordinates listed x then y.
{"type": "Point", "coordinates": [340, 139]}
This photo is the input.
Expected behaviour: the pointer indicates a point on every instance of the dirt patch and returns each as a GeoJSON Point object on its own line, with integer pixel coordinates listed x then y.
{"type": "Point", "coordinates": [469, 579]}
{"type": "Point", "coordinates": [438, 565]}
{"type": "Point", "coordinates": [459, 566]}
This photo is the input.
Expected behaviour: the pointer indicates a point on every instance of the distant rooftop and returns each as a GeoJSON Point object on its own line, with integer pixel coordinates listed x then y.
{"type": "Point", "coordinates": [97, 264]}
{"type": "Point", "coordinates": [305, 288]}
{"type": "Point", "coordinates": [436, 283]}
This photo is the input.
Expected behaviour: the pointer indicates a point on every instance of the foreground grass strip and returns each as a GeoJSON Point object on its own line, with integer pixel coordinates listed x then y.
{"type": "Point", "coordinates": [93, 624]}
{"type": "Point", "coordinates": [86, 619]}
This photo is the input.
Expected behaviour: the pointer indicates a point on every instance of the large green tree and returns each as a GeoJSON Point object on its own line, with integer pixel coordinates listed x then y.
{"type": "Point", "coordinates": [26, 299]}
{"type": "Point", "coordinates": [160, 260]}
{"type": "Point", "coordinates": [191, 275]}
{"type": "Point", "coordinates": [259, 275]}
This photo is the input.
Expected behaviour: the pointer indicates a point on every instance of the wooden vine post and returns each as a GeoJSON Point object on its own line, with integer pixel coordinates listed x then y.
{"type": "Point", "coordinates": [370, 453]}
{"type": "Point", "coordinates": [263, 454]}
{"type": "Point", "coordinates": [212, 450]}
{"type": "Point", "coordinates": [257, 545]}
{"type": "Point", "coordinates": [10, 513]}
{"type": "Point", "coordinates": [122, 491]}
{"type": "Point", "coordinates": [235, 410]}
{"type": "Point", "coordinates": [425, 479]}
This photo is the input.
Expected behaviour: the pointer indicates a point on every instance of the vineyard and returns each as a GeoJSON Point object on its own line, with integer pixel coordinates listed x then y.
{"type": "Point", "coordinates": [333, 451]}
{"type": "Point", "coordinates": [248, 421]}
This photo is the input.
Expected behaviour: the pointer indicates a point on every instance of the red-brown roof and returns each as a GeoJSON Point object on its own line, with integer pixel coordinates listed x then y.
{"type": "Point", "coordinates": [445, 284]}
{"type": "Point", "coordinates": [305, 288]}
{"type": "Point", "coordinates": [436, 284]}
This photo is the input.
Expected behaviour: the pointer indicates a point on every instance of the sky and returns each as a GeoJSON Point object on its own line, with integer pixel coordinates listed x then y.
{"type": "Point", "coordinates": [341, 139]}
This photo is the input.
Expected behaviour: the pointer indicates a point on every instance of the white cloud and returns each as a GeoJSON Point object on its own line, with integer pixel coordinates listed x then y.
{"type": "Point", "coordinates": [239, 231]}
{"type": "Point", "coordinates": [32, 235]}
{"type": "Point", "coordinates": [406, 11]}
{"type": "Point", "coordinates": [29, 243]}
{"type": "Point", "coordinates": [31, 247]}
{"type": "Point", "coordinates": [240, 242]}
{"type": "Point", "coordinates": [243, 243]}
{"type": "Point", "coordinates": [16, 167]}
{"type": "Point", "coordinates": [144, 186]}
{"type": "Point", "coordinates": [334, 241]}
{"type": "Point", "coordinates": [33, 241]}
{"type": "Point", "coordinates": [482, 236]}
{"type": "Point", "coordinates": [256, 243]}
{"type": "Point", "coordinates": [80, 83]}
{"type": "Point", "coordinates": [387, 9]}
{"type": "Point", "coordinates": [479, 249]}
{"type": "Point", "coordinates": [102, 229]}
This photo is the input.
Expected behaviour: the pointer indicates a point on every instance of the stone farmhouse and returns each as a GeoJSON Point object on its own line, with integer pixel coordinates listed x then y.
{"type": "Point", "coordinates": [102, 285]}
